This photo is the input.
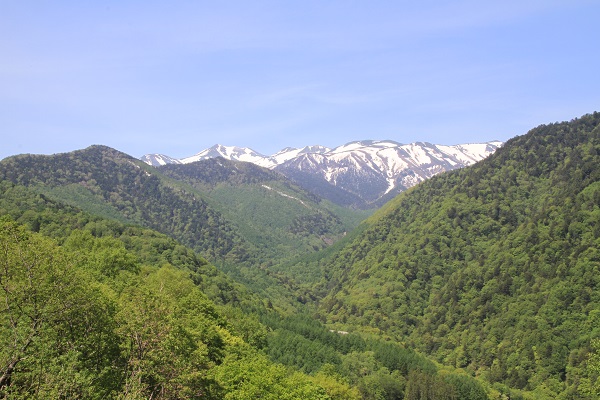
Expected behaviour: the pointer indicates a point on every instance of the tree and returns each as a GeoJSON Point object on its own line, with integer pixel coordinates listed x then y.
{"type": "Point", "coordinates": [590, 385]}
{"type": "Point", "coordinates": [55, 330]}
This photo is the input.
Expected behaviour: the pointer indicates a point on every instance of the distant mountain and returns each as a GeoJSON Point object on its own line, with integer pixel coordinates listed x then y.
{"type": "Point", "coordinates": [157, 160]}
{"type": "Point", "coordinates": [376, 171]}
{"type": "Point", "coordinates": [363, 174]}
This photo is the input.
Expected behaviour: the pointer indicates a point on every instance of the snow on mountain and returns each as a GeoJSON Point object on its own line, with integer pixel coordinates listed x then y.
{"type": "Point", "coordinates": [159, 159]}
{"type": "Point", "coordinates": [231, 153]}
{"type": "Point", "coordinates": [376, 170]}
{"type": "Point", "coordinates": [289, 153]}
{"type": "Point", "coordinates": [371, 170]}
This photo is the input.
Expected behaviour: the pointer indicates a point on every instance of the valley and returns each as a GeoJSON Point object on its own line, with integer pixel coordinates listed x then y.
{"type": "Point", "coordinates": [374, 270]}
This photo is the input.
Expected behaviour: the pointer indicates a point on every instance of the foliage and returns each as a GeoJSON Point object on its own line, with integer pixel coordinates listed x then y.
{"type": "Point", "coordinates": [243, 218]}
{"type": "Point", "coordinates": [493, 268]}
{"type": "Point", "coordinates": [56, 324]}
{"type": "Point", "coordinates": [80, 321]}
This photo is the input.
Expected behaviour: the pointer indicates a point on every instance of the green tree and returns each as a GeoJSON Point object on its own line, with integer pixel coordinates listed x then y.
{"type": "Point", "coordinates": [590, 384]}
{"type": "Point", "coordinates": [56, 335]}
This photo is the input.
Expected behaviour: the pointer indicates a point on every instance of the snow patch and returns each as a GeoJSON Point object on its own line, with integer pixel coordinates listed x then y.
{"type": "Point", "coordinates": [286, 195]}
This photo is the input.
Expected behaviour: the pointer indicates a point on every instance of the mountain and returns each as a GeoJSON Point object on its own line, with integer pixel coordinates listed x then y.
{"type": "Point", "coordinates": [112, 184]}
{"type": "Point", "coordinates": [243, 217]}
{"type": "Point", "coordinates": [234, 153]}
{"type": "Point", "coordinates": [97, 308]}
{"type": "Point", "coordinates": [376, 171]}
{"type": "Point", "coordinates": [494, 268]}
{"type": "Point", "coordinates": [229, 153]}
{"type": "Point", "coordinates": [157, 160]}
{"type": "Point", "coordinates": [363, 174]}
{"type": "Point", "coordinates": [275, 215]}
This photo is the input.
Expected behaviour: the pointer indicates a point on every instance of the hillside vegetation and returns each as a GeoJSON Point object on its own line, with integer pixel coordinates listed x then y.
{"type": "Point", "coordinates": [481, 283]}
{"type": "Point", "coordinates": [112, 184]}
{"type": "Point", "coordinates": [494, 268]}
{"type": "Point", "coordinates": [278, 217]}
{"type": "Point", "coordinates": [242, 217]}
{"type": "Point", "coordinates": [94, 308]}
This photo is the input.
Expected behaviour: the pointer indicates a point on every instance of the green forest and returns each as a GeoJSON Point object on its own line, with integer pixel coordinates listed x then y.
{"type": "Point", "coordinates": [223, 280]}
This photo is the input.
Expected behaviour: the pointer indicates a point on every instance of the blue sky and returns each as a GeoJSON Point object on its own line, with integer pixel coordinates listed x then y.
{"type": "Point", "coordinates": [177, 77]}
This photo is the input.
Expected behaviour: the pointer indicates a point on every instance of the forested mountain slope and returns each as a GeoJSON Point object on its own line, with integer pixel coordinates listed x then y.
{"type": "Point", "coordinates": [230, 211]}
{"type": "Point", "coordinates": [106, 182]}
{"type": "Point", "coordinates": [272, 213]}
{"type": "Point", "coordinates": [494, 268]}
{"type": "Point", "coordinates": [241, 216]}
{"type": "Point", "coordinates": [94, 308]}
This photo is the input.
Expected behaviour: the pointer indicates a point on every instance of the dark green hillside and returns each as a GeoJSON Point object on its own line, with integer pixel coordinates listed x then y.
{"type": "Point", "coordinates": [493, 268]}
{"type": "Point", "coordinates": [242, 217]}
{"type": "Point", "coordinates": [109, 183]}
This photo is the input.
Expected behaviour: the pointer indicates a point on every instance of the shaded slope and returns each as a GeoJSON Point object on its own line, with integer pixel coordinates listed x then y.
{"type": "Point", "coordinates": [494, 268]}
{"type": "Point", "coordinates": [112, 184]}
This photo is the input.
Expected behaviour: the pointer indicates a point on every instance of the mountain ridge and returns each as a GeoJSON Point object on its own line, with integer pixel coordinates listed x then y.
{"type": "Point", "coordinates": [359, 174]}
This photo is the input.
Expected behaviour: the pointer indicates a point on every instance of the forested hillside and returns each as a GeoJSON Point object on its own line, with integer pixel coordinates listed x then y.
{"type": "Point", "coordinates": [278, 217]}
{"type": "Point", "coordinates": [94, 308]}
{"type": "Point", "coordinates": [241, 216]}
{"type": "Point", "coordinates": [105, 310]}
{"type": "Point", "coordinates": [112, 184]}
{"type": "Point", "coordinates": [494, 268]}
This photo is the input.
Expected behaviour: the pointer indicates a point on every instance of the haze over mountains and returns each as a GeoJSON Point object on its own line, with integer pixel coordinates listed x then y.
{"type": "Point", "coordinates": [362, 174]}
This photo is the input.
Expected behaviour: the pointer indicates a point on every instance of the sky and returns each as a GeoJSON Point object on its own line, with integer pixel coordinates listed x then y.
{"type": "Point", "coordinates": [176, 77]}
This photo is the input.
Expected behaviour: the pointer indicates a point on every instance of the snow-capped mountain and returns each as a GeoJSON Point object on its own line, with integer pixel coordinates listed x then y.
{"type": "Point", "coordinates": [157, 160]}
{"type": "Point", "coordinates": [361, 174]}
{"type": "Point", "coordinates": [231, 153]}
{"type": "Point", "coordinates": [239, 154]}
{"type": "Point", "coordinates": [375, 171]}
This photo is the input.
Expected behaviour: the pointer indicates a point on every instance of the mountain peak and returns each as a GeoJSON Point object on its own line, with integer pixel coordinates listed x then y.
{"type": "Point", "coordinates": [373, 170]}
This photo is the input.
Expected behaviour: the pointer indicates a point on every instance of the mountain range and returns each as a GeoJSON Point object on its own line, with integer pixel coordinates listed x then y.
{"type": "Point", "coordinates": [362, 174]}
{"type": "Point", "coordinates": [478, 283]}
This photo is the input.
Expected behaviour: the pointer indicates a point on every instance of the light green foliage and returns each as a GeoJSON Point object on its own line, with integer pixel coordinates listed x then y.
{"type": "Point", "coordinates": [69, 329]}
{"type": "Point", "coordinates": [247, 375]}
{"type": "Point", "coordinates": [590, 383]}
{"type": "Point", "coordinates": [170, 336]}
{"type": "Point", "coordinates": [105, 256]}
{"type": "Point", "coordinates": [335, 384]}
{"type": "Point", "coordinates": [56, 327]}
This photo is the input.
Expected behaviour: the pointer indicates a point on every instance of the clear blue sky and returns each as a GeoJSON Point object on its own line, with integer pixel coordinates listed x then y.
{"type": "Point", "coordinates": [176, 77]}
